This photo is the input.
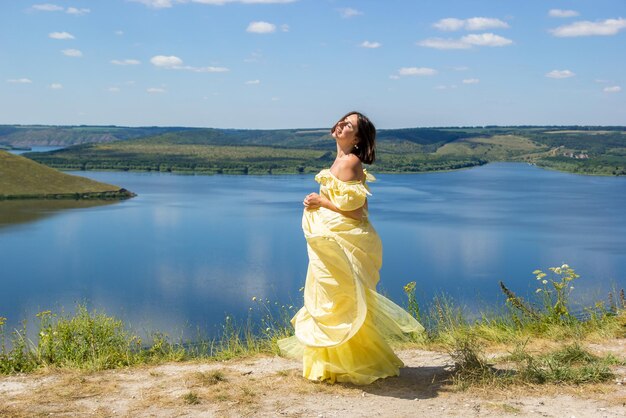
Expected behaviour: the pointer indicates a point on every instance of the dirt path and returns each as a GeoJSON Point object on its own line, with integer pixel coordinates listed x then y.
{"type": "Point", "coordinates": [272, 386]}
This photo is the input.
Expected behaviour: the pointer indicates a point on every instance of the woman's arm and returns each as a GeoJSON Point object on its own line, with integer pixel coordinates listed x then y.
{"type": "Point", "coordinates": [315, 201]}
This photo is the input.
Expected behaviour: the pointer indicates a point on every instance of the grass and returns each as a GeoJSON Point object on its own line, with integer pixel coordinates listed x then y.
{"type": "Point", "coordinates": [23, 178]}
{"type": "Point", "coordinates": [542, 341]}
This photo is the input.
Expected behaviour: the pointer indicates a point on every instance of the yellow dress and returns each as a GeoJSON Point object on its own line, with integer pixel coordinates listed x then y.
{"type": "Point", "coordinates": [341, 332]}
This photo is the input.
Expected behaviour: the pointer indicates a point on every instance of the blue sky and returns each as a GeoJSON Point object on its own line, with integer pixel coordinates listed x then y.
{"type": "Point", "coordinates": [302, 63]}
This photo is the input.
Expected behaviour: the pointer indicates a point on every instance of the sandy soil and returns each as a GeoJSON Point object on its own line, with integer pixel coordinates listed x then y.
{"type": "Point", "coordinates": [272, 387]}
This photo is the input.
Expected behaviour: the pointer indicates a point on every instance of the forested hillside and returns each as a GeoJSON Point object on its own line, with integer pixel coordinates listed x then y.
{"type": "Point", "coordinates": [588, 150]}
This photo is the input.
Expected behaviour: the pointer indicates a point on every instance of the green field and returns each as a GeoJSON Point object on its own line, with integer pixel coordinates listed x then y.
{"type": "Point", "coordinates": [21, 178]}
{"type": "Point", "coordinates": [586, 150]}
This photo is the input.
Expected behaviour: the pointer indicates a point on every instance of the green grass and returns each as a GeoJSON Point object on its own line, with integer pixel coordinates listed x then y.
{"type": "Point", "coordinates": [24, 178]}
{"type": "Point", "coordinates": [544, 341]}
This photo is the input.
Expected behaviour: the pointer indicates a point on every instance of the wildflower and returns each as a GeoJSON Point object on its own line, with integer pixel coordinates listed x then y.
{"type": "Point", "coordinates": [571, 288]}
{"type": "Point", "coordinates": [290, 306]}
{"type": "Point", "coordinates": [564, 266]}
{"type": "Point", "coordinates": [557, 270]}
{"type": "Point", "coordinates": [538, 290]}
{"type": "Point", "coordinates": [267, 329]}
{"type": "Point", "coordinates": [253, 298]}
{"type": "Point", "coordinates": [3, 320]}
{"type": "Point", "coordinates": [544, 282]}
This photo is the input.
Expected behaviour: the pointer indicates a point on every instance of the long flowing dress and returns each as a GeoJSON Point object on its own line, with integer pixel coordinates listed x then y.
{"type": "Point", "coordinates": [342, 331]}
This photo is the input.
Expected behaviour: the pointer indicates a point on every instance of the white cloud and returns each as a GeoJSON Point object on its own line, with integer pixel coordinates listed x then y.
{"type": "Point", "coordinates": [483, 23]}
{"type": "Point", "coordinates": [284, 28]}
{"type": "Point", "coordinates": [444, 87]}
{"type": "Point", "coordinates": [486, 39]}
{"type": "Point", "coordinates": [172, 62]}
{"type": "Point", "coordinates": [77, 12]}
{"type": "Point", "coordinates": [471, 81]}
{"type": "Point", "coordinates": [262, 1]}
{"type": "Point", "coordinates": [562, 13]}
{"type": "Point", "coordinates": [114, 89]}
{"type": "Point", "coordinates": [372, 45]}
{"type": "Point", "coordinates": [255, 56]}
{"type": "Point", "coordinates": [47, 7]}
{"type": "Point", "coordinates": [19, 80]}
{"type": "Point", "coordinates": [252, 82]}
{"type": "Point", "coordinates": [164, 61]}
{"type": "Point", "coordinates": [416, 71]}
{"type": "Point", "coordinates": [394, 77]}
{"type": "Point", "coordinates": [119, 32]}
{"type": "Point", "coordinates": [72, 53]}
{"type": "Point", "coordinates": [164, 4]}
{"type": "Point", "coordinates": [347, 12]}
{"type": "Point", "coordinates": [222, 2]}
{"type": "Point", "coordinates": [440, 43]}
{"type": "Point", "coordinates": [56, 86]}
{"type": "Point", "coordinates": [560, 74]}
{"type": "Point", "coordinates": [261, 27]}
{"type": "Point", "coordinates": [606, 27]}
{"type": "Point", "coordinates": [60, 35]}
{"type": "Point", "coordinates": [155, 90]}
{"type": "Point", "coordinates": [612, 89]}
{"type": "Point", "coordinates": [156, 4]}
{"type": "Point", "coordinates": [474, 23]}
{"type": "Point", "coordinates": [126, 62]}
{"type": "Point", "coordinates": [466, 42]}
{"type": "Point", "coordinates": [205, 69]}
{"type": "Point", "coordinates": [450, 24]}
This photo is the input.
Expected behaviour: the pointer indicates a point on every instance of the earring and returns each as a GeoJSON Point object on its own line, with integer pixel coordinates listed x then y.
{"type": "Point", "coordinates": [356, 146]}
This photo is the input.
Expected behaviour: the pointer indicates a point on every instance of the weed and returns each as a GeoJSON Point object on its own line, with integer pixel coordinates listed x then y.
{"type": "Point", "coordinates": [191, 398]}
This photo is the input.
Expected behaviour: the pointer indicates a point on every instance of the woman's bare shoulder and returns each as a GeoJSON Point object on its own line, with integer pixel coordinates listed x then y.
{"type": "Point", "coordinates": [349, 168]}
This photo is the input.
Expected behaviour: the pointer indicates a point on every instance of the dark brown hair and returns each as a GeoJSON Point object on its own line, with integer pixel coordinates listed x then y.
{"type": "Point", "coordinates": [365, 148]}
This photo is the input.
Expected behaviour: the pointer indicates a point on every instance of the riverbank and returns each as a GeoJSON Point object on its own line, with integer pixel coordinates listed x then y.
{"type": "Point", "coordinates": [267, 386]}
{"type": "Point", "coordinates": [24, 179]}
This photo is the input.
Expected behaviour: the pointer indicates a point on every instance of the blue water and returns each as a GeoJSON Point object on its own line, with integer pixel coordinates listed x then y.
{"type": "Point", "coordinates": [35, 149]}
{"type": "Point", "coordinates": [189, 250]}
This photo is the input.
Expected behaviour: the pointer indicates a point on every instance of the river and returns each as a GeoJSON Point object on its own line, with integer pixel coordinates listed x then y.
{"type": "Point", "coordinates": [189, 250]}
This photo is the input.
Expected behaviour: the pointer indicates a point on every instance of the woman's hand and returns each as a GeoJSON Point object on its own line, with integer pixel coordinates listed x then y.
{"type": "Point", "coordinates": [313, 201]}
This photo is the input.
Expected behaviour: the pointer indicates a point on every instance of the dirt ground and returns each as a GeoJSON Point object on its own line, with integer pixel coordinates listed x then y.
{"type": "Point", "coordinates": [272, 387]}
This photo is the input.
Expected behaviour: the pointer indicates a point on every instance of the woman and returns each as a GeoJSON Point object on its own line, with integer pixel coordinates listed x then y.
{"type": "Point", "coordinates": [341, 331]}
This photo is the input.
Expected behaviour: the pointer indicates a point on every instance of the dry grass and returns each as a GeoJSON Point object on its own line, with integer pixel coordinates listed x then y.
{"type": "Point", "coordinates": [268, 386]}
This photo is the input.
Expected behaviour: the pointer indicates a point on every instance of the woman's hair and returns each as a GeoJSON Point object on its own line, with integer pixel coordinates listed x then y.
{"type": "Point", "coordinates": [365, 148]}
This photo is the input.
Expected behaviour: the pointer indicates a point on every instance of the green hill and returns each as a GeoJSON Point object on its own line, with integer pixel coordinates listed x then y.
{"type": "Point", "coordinates": [579, 149]}
{"type": "Point", "coordinates": [21, 178]}
{"type": "Point", "coordinates": [43, 135]}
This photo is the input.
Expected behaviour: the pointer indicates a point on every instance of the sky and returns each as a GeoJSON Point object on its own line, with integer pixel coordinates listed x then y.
{"type": "Point", "coordinates": [273, 64]}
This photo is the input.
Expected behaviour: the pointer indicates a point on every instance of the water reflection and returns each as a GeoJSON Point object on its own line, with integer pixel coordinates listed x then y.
{"type": "Point", "coordinates": [189, 250]}
{"type": "Point", "coordinates": [16, 212]}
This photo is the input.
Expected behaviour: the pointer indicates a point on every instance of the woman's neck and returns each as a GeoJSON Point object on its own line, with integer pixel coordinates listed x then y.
{"type": "Point", "coordinates": [342, 151]}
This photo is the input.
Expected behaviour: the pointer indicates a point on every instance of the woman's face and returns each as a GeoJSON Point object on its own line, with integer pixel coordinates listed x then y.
{"type": "Point", "coordinates": [346, 129]}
